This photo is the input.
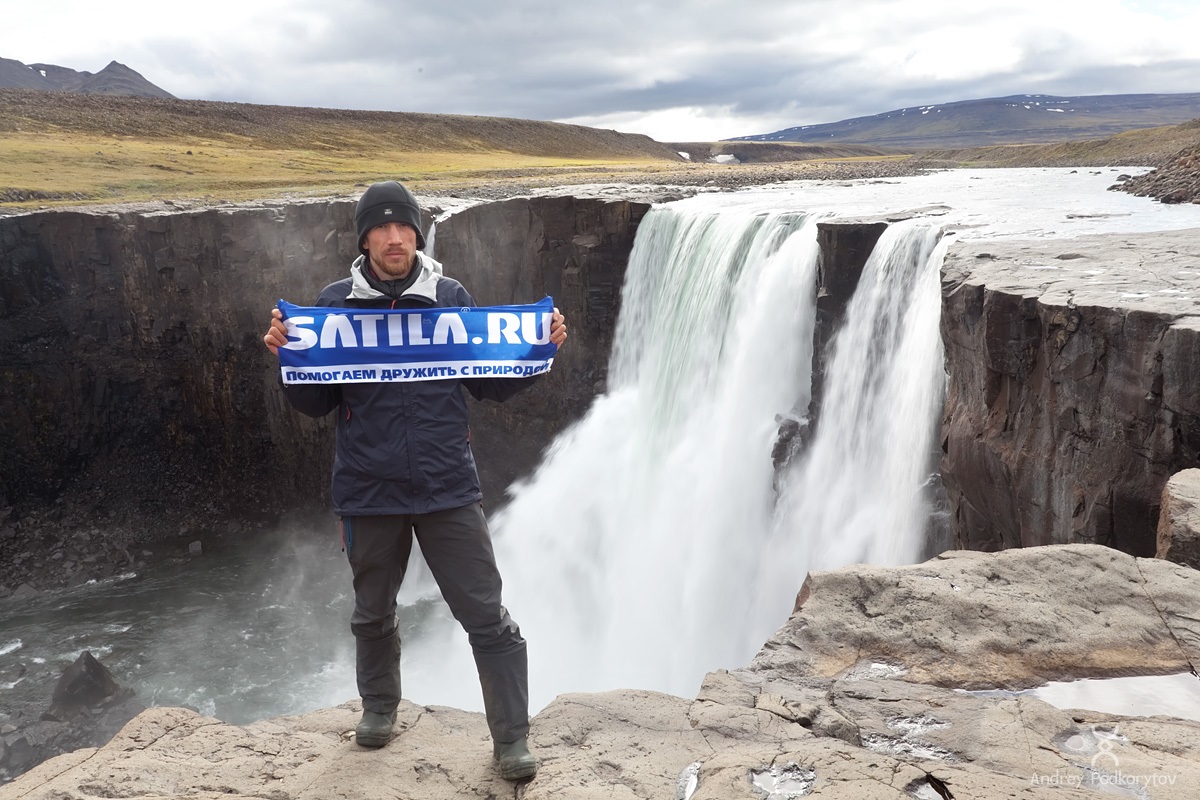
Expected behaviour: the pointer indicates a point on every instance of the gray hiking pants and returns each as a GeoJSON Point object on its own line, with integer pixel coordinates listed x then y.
{"type": "Point", "coordinates": [458, 550]}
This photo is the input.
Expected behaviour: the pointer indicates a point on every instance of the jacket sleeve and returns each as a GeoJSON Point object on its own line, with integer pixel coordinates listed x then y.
{"type": "Point", "coordinates": [315, 400]}
{"type": "Point", "coordinates": [498, 389]}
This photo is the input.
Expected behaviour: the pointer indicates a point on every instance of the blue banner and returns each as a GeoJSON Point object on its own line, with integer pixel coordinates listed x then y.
{"type": "Point", "coordinates": [375, 345]}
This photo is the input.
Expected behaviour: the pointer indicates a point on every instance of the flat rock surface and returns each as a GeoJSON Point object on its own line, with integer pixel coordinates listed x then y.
{"type": "Point", "coordinates": [1155, 272]}
{"type": "Point", "coordinates": [1073, 387]}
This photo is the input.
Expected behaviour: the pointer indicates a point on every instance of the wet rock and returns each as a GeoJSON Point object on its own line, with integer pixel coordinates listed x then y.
{"type": "Point", "coordinates": [1179, 524]}
{"type": "Point", "coordinates": [845, 247]}
{"type": "Point", "coordinates": [19, 755]}
{"type": "Point", "coordinates": [195, 548]}
{"type": "Point", "coordinates": [84, 683]}
{"type": "Point", "coordinates": [88, 707]}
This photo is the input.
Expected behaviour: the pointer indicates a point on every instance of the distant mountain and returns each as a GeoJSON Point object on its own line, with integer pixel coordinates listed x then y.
{"type": "Point", "coordinates": [15, 75]}
{"type": "Point", "coordinates": [1018, 119]}
{"type": "Point", "coordinates": [116, 78]}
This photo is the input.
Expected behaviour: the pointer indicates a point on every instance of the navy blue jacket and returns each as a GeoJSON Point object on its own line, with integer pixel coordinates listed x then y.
{"type": "Point", "coordinates": [402, 448]}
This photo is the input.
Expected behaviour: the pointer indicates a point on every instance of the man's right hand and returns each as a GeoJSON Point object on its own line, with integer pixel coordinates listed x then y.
{"type": "Point", "coordinates": [276, 336]}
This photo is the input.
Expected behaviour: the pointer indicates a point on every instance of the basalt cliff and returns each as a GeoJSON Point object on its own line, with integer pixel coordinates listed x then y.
{"type": "Point", "coordinates": [1074, 386]}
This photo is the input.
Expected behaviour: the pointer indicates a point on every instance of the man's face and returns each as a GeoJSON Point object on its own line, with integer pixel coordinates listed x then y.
{"type": "Point", "coordinates": [392, 248]}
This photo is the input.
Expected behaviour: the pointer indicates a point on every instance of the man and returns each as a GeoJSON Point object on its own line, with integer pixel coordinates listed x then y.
{"type": "Point", "coordinates": [403, 466]}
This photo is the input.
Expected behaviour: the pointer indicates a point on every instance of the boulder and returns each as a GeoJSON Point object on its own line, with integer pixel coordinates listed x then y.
{"type": "Point", "coordinates": [86, 682]}
{"type": "Point", "coordinates": [1179, 523]}
{"type": "Point", "coordinates": [87, 709]}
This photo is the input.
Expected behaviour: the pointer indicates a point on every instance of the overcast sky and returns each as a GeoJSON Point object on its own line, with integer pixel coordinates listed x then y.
{"type": "Point", "coordinates": [678, 71]}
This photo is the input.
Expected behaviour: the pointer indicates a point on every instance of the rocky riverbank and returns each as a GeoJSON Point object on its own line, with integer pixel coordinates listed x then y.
{"type": "Point", "coordinates": [82, 540]}
{"type": "Point", "coordinates": [1175, 181]}
{"type": "Point", "coordinates": [859, 695]}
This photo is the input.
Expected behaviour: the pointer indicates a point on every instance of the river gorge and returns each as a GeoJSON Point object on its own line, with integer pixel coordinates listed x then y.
{"type": "Point", "coordinates": [759, 386]}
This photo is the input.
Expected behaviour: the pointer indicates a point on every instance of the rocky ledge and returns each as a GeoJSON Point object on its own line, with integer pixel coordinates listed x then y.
{"type": "Point", "coordinates": [859, 695]}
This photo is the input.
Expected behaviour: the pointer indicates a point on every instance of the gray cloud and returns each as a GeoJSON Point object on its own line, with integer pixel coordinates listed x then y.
{"type": "Point", "coordinates": [797, 62]}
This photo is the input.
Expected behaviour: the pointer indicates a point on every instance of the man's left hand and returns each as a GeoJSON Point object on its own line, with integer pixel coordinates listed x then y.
{"type": "Point", "coordinates": [558, 328]}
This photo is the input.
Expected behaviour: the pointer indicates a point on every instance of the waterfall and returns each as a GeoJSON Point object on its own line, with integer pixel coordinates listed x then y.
{"type": "Point", "coordinates": [431, 238]}
{"type": "Point", "coordinates": [650, 546]}
{"type": "Point", "coordinates": [861, 492]}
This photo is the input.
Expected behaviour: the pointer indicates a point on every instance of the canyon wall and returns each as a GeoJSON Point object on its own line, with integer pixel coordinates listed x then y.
{"type": "Point", "coordinates": [1074, 386]}
{"type": "Point", "coordinates": [132, 368]}
{"type": "Point", "coordinates": [133, 379]}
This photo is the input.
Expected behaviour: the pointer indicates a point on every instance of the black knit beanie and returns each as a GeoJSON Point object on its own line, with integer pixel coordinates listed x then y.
{"type": "Point", "coordinates": [387, 201]}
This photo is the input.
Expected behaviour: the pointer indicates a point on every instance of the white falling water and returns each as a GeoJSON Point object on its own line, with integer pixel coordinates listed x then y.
{"type": "Point", "coordinates": [649, 548]}
{"type": "Point", "coordinates": [862, 491]}
{"type": "Point", "coordinates": [431, 239]}
{"type": "Point", "coordinates": [662, 495]}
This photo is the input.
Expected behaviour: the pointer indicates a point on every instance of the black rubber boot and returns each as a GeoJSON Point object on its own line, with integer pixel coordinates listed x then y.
{"type": "Point", "coordinates": [514, 759]}
{"type": "Point", "coordinates": [503, 677]}
{"type": "Point", "coordinates": [374, 729]}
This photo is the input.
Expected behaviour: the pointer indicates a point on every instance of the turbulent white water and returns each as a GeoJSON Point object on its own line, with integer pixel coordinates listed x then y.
{"type": "Point", "coordinates": [644, 575]}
